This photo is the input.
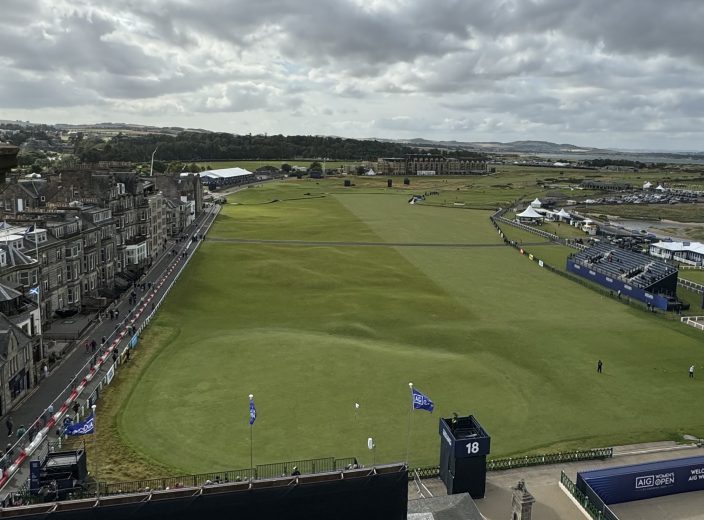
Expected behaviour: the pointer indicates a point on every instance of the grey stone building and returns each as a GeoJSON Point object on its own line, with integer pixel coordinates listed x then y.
{"type": "Point", "coordinates": [16, 364]}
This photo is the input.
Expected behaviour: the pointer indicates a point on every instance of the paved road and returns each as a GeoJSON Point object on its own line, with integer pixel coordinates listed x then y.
{"type": "Point", "coordinates": [56, 387]}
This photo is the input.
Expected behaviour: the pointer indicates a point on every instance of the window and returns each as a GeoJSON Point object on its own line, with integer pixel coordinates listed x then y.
{"type": "Point", "coordinates": [59, 254]}
{"type": "Point", "coordinates": [46, 285]}
{"type": "Point", "coordinates": [59, 277]}
{"type": "Point", "coordinates": [70, 295]}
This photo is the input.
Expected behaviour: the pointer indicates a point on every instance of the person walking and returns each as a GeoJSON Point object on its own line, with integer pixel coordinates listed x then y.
{"type": "Point", "coordinates": [691, 372]}
{"type": "Point", "coordinates": [599, 366]}
{"type": "Point", "coordinates": [46, 371]}
{"type": "Point", "coordinates": [10, 426]}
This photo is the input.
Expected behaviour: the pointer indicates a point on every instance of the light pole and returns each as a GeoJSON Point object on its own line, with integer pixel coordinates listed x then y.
{"type": "Point", "coordinates": [151, 169]}
{"type": "Point", "coordinates": [95, 448]}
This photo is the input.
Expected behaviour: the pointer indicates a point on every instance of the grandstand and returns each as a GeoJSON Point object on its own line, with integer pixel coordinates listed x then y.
{"type": "Point", "coordinates": [630, 274]}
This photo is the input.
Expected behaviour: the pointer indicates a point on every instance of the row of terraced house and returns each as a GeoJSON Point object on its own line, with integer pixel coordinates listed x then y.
{"type": "Point", "coordinates": [71, 242]}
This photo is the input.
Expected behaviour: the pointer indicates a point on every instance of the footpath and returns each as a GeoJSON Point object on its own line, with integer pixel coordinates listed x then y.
{"type": "Point", "coordinates": [72, 387]}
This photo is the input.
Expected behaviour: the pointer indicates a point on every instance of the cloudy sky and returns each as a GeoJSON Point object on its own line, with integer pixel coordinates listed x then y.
{"type": "Point", "coordinates": [610, 73]}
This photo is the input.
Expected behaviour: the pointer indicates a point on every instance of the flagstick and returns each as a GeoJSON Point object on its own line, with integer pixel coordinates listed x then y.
{"type": "Point", "coordinates": [410, 415]}
{"type": "Point", "coordinates": [95, 449]}
{"type": "Point", "coordinates": [251, 444]}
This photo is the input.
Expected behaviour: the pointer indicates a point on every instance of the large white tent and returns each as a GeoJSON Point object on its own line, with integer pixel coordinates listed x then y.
{"type": "Point", "coordinates": [563, 215]}
{"type": "Point", "coordinates": [530, 214]}
{"type": "Point", "coordinates": [536, 203]}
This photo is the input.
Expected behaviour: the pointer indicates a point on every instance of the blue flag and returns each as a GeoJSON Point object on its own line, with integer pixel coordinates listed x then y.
{"type": "Point", "coordinates": [34, 291]}
{"type": "Point", "coordinates": [252, 411]}
{"type": "Point", "coordinates": [81, 428]}
{"type": "Point", "coordinates": [421, 401]}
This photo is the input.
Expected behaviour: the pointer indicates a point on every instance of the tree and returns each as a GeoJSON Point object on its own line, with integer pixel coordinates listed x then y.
{"type": "Point", "coordinates": [361, 170]}
{"type": "Point", "coordinates": [36, 168]}
{"type": "Point", "coordinates": [285, 167]}
{"type": "Point", "coordinates": [316, 167]}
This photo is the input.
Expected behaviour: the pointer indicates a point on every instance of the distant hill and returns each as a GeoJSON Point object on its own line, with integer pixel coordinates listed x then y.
{"type": "Point", "coordinates": [498, 147]}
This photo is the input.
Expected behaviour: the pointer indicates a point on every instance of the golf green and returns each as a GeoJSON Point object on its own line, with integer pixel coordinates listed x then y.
{"type": "Point", "coordinates": [311, 328]}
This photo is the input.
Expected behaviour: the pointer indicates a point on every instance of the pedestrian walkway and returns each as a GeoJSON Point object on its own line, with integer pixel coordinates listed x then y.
{"type": "Point", "coordinates": [61, 383]}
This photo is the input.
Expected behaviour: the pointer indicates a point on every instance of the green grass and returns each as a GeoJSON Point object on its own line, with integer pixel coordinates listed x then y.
{"type": "Point", "coordinates": [693, 275]}
{"type": "Point", "coordinates": [310, 330]}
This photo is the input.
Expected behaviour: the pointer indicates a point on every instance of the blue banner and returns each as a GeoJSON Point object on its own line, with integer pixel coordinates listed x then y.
{"type": "Point", "coordinates": [81, 428]}
{"type": "Point", "coordinates": [421, 401]}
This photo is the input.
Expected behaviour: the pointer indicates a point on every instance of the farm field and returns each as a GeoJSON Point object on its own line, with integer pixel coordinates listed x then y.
{"type": "Point", "coordinates": [311, 328]}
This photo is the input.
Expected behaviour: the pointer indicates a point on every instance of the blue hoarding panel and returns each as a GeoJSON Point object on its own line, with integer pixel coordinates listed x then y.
{"type": "Point", "coordinates": [642, 481]}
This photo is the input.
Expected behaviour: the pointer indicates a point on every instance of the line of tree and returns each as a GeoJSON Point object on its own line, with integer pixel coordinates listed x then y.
{"type": "Point", "coordinates": [601, 163]}
{"type": "Point", "coordinates": [201, 146]}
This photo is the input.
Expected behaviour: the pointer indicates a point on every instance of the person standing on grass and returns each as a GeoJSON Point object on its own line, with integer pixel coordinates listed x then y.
{"type": "Point", "coordinates": [599, 366]}
{"type": "Point", "coordinates": [691, 372]}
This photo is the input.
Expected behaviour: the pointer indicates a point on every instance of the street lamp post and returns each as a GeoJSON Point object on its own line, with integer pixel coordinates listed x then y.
{"type": "Point", "coordinates": [95, 449]}
{"type": "Point", "coordinates": [151, 169]}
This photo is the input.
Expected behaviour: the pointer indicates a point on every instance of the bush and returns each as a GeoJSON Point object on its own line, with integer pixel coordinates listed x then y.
{"type": "Point", "coordinates": [407, 181]}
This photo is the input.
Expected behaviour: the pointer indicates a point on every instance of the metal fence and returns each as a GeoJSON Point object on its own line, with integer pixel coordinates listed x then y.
{"type": "Point", "coordinates": [596, 511]}
{"type": "Point", "coordinates": [549, 458]}
{"type": "Point", "coordinates": [528, 460]}
{"type": "Point", "coordinates": [262, 471]}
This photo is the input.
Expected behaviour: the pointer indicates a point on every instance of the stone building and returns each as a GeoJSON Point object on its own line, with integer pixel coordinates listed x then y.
{"type": "Point", "coordinates": [16, 364]}
{"type": "Point", "coordinates": [95, 232]}
{"type": "Point", "coordinates": [422, 164]}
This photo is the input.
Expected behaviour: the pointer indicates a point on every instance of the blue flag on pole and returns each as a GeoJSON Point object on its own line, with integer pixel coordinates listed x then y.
{"type": "Point", "coordinates": [81, 428]}
{"type": "Point", "coordinates": [421, 401]}
{"type": "Point", "coordinates": [34, 291]}
{"type": "Point", "coordinates": [252, 411]}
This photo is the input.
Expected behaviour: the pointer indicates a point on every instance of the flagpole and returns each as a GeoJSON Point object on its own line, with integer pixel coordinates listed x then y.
{"type": "Point", "coordinates": [95, 449]}
{"type": "Point", "coordinates": [251, 442]}
{"type": "Point", "coordinates": [408, 433]}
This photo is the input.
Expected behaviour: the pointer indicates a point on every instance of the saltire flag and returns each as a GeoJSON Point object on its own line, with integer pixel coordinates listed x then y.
{"type": "Point", "coordinates": [34, 291]}
{"type": "Point", "coordinates": [421, 401]}
{"type": "Point", "coordinates": [81, 428]}
{"type": "Point", "coordinates": [30, 229]}
{"type": "Point", "coordinates": [252, 410]}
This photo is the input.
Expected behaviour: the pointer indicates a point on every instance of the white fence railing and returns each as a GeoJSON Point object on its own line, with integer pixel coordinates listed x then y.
{"type": "Point", "coordinates": [692, 286]}
{"type": "Point", "coordinates": [693, 321]}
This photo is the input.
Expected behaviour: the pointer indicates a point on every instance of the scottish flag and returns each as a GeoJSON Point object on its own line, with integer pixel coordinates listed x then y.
{"type": "Point", "coordinates": [81, 428]}
{"type": "Point", "coordinates": [421, 401]}
{"type": "Point", "coordinates": [252, 411]}
{"type": "Point", "coordinates": [34, 291]}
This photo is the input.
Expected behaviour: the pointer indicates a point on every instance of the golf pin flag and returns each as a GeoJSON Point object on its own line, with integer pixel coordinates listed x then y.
{"type": "Point", "coordinates": [420, 400]}
{"type": "Point", "coordinates": [252, 410]}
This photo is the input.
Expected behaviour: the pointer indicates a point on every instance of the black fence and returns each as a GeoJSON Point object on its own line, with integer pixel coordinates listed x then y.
{"type": "Point", "coordinates": [528, 460]}
{"type": "Point", "coordinates": [549, 458]}
{"type": "Point", "coordinates": [596, 511]}
{"type": "Point", "coordinates": [262, 471]}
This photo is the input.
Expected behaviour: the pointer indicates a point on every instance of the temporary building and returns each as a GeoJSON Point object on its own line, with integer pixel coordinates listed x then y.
{"type": "Point", "coordinates": [536, 203]}
{"type": "Point", "coordinates": [647, 185]}
{"type": "Point", "coordinates": [563, 215]}
{"type": "Point", "coordinates": [529, 215]}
